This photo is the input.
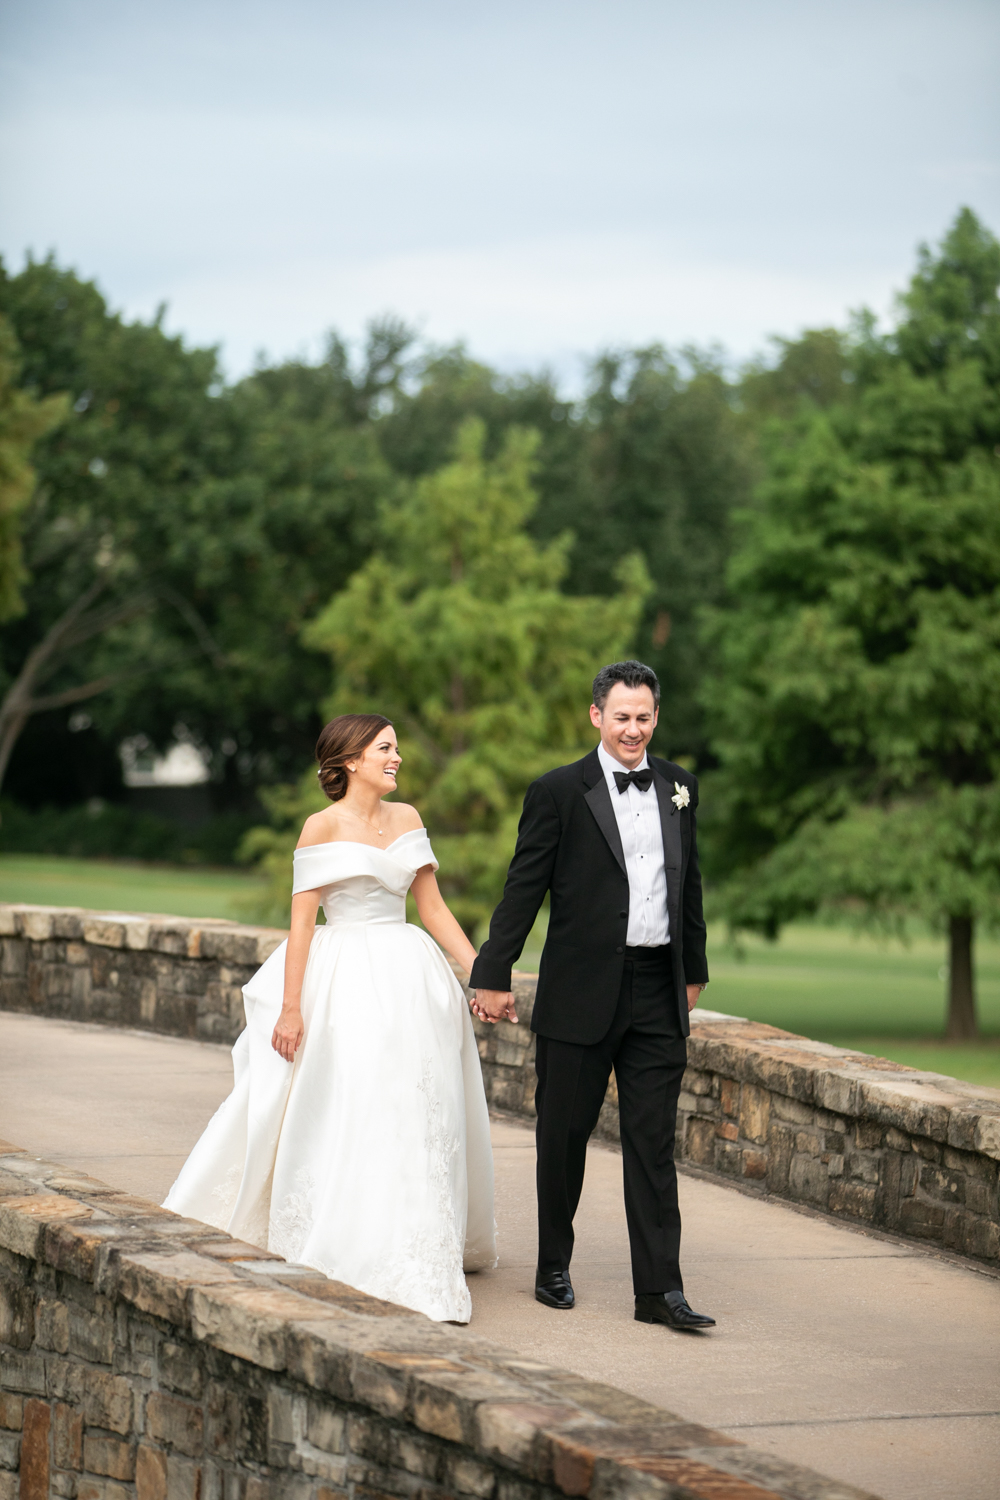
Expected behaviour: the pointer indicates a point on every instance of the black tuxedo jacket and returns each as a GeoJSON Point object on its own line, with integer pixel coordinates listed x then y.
{"type": "Point", "coordinates": [568, 844]}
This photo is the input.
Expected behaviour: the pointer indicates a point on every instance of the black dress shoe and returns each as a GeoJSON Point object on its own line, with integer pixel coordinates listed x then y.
{"type": "Point", "coordinates": [671, 1309]}
{"type": "Point", "coordinates": [555, 1289]}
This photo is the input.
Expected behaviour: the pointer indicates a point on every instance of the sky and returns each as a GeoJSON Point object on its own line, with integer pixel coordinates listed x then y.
{"type": "Point", "coordinates": [539, 179]}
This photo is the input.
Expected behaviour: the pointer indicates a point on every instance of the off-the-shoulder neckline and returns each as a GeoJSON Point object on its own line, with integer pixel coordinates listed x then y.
{"type": "Point", "coordinates": [357, 843]}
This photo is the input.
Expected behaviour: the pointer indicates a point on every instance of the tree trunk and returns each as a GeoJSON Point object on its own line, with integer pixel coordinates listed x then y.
{"type": "Point", "coordinates": [961, 989]}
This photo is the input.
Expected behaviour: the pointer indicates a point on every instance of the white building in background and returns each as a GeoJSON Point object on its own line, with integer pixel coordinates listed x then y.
{"type": "Point", "coordinates": [183, 764]}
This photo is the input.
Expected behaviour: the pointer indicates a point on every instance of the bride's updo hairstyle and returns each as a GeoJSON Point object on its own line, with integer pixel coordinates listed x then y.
{"type": "Point", "coordinates": [344, 738]}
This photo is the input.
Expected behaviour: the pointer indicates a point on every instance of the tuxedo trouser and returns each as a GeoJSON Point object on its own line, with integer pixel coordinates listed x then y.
{"type": "Point", "coordinates": [648, 1052]}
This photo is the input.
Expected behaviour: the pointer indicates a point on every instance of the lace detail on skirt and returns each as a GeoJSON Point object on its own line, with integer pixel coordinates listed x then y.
{"type": "Point", "coordinates": [291, 1223]}
{"type": "Point", "coordinates": [430, 1266]}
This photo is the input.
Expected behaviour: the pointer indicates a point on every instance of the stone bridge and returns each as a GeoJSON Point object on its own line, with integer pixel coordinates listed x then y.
{"type": "Point", "coordinates": [145, 1355]}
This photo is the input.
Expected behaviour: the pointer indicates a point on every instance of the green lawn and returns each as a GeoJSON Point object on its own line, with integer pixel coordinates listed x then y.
{"type": "Point", "coordinates": [114, 885]}
{"type": "Point", "coordinates": [830, 983]}
{"type": "Point", "coordinates": [852, 989]}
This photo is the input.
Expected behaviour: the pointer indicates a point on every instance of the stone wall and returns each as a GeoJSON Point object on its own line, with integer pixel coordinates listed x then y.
{"type": "Point", "coordinates": [856, 1136]}
{"type": "Point", "coordinates": [148, 1357]}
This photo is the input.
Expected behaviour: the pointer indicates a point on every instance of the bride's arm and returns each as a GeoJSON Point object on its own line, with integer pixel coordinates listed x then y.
{"type": "Point", "coordinates": [288, 1033]}
{"type": "Point", "coordinates": [438, 920]}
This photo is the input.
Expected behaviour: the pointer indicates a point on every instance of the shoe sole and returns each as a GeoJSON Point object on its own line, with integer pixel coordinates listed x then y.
{"type": "Point", "coordinates": [556, 1306]}
{"type": "Point", "coordinates": [676, 1327]}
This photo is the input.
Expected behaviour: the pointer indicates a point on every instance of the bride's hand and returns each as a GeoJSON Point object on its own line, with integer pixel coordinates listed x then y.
{"type": "Point", "coordinates": [287, 1036]}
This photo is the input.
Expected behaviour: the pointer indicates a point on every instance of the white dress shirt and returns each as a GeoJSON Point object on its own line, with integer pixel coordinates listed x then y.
{"type": "Point", "coordinates": [638, 815]}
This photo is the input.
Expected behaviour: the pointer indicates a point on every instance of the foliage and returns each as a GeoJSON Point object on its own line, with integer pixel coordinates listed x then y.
{"type": "Point", "coordinates": [860, 670]}
{"type": "Point", "coordinates": [200, 527]}
{"type": "Point", "coordinates": [456, 628]}
{"type": "Point", "coordinates": [23, 420]}
{"type": "Point", "coordinates": [108, 831]}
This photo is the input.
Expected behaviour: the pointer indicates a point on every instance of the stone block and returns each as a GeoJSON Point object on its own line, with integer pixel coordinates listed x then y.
{"type": "Point", "coordinates": [180, 1368]}
{"type": "Point", "coordinates": [107, 1401]}
{"type": "Point", "coordinates": [104, 932]}
{"type": "Point", "coordinates": [807, 1143]}
{"type": "Point", "coordinates": [755, 1164]}
{"type": "Point", "coordinates": [983, 1239]}
{"type": "Point", "coordinates": [67, 1437]}
{"type": "Point", "coordinates": [108, 1456]}
{"type": "Point", "coordinates": [17, 1314]}
{"type": "Point", "coordinates": [250, 1321]}
{"type": "Point", "coordinates": [861, 1166]}
{"type": "Point", "coordinates": [10, 1450]}
{"type": "Point", "coordinates": [34, 1469]}
{"type": "Point", "coordinates": [943, 1187]}
{"type": "Point", "coordinates": [150, 1473]}
{"type": "Point", "coordinates": [729, 1096]}
{"type": "Point", "coordinates": [699, 1141]}
{"type": "Point", "coordinates": [11, 1411]}
{"type": "Point", "coordinates": [91, 1335]}
{"type": "Point", "coordinates": [223, 1418]}
{"type": "Point", "coordinates": [175, 1423]}
{"type": "Point", "coordinates": [923, 1220]}
{"type": "Point", "coordinates": [755, 1113]}
{"type": "Point", "coordinates": [727, 1130]}
{"type": "Point", "coordinates": [928, 1150]}
{"type": "Point", "coordinates": [36, 923]}
{"type": "Point", "coordinates": [9, 1486]}
{"type": "Point", "coordinates": [854, 1198]}
{"type": "Point", "coordinates": [22, 1372]}
{"type": "Point", "coordinates": [781, 1150]}
{"type": "Point", "coordinates": [508, 1432]}
{"type": "Point", "coordinates": [325, 1427]}
{"type": "Point", "coordinates": [285, 1416]}
{"type": "Point", "coordinates": [729, 1159]}
{"type": "Point", "coordinates": [23, 1220]}
{"type": "Point", "coordinates": [696, 1082]}
{"type": "Point", "coordinates": [102, 1489]}
{"type": "Point", "coordinates": [162, 1284]}
{"type": "Point", "coordinates": [809, 1181]}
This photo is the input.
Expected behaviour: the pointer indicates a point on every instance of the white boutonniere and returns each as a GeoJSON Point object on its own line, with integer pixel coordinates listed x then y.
{"type": "Point", "coordinates": [681, 796]}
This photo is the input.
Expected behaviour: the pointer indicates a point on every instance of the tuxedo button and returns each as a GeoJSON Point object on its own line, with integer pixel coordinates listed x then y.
{"type": "Point", "coordinates": [619, 950]}
{"type": "Point", "coordinates": [623, 913]}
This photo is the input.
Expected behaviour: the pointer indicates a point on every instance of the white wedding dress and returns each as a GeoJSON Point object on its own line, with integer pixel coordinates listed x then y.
{"type": "Point", "coordinates": [369, 1157]}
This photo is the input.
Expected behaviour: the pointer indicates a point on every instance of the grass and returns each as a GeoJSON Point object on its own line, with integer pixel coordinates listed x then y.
{"type": "Point", "coordinates": [120, 885]}
{"type": "Point", "coordinates": [852, 989]}
{"type": "Point", "coordinates": [830, 983]}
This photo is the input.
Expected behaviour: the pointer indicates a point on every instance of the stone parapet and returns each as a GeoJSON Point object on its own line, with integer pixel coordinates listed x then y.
{"type": "Point", "coordinates": [144, 1356]}
{"type": "Point", "coordinates": [166, 974]}
{"type": "Point", "coordinates": [860, 1137]}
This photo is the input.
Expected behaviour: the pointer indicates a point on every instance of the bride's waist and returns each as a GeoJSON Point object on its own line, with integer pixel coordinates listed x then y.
{"type": "Point", "coordinates": [338, 919]}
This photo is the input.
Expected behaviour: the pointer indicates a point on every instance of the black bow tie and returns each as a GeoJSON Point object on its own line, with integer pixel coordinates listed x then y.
{"type": "Point", "coordinates": [642, 779]}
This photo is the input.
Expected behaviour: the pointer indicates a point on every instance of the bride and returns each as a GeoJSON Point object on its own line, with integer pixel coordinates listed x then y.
{"type": "Point", "coordinates": [356, 1138]}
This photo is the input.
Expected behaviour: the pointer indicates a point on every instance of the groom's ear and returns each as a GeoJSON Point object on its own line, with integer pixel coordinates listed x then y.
{"type": "Point", "coordinates": [595, 716]}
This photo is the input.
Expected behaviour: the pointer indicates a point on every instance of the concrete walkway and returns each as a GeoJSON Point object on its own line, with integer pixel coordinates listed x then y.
{"type": "Point", "coordinates": [868, 1360]}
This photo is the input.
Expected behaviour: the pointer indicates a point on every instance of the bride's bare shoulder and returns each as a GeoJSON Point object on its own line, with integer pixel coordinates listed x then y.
{"type": "Point", "coordinates": [404, 818]}
{"type": "Point", "coordinates": [318, 828]}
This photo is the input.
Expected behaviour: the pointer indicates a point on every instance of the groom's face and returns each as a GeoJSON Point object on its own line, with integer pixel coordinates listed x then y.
{"type": "Point", "coordinates": [626, 722]}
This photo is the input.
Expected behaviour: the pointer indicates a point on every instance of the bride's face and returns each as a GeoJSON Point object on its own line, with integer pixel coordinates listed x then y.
{"type": "Point", "coordinates": [379, 763]}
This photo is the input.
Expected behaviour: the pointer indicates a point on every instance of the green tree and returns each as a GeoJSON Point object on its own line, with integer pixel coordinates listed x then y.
{"type": "Point", "coordinates": [456, 627]}
{"type": "Point", "coordinates": [180, 535]}
{"type": "Point", "coordinates": [23, 420]}
{"type": "Point", "coordinates": [857, 705]}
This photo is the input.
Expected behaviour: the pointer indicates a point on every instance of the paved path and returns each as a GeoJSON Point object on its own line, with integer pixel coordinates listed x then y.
{"type": "Point", "coordinates": [865, 1359]}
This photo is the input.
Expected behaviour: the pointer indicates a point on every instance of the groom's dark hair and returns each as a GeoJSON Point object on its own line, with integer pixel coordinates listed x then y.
{"type": "Point", "coordinates": [634, 674]}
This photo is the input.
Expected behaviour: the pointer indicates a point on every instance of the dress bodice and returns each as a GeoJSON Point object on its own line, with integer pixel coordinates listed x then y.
{"type": "Point", "coordinates": [359, 883]}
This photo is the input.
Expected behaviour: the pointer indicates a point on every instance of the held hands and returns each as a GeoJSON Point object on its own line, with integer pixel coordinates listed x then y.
{"type": "Point", "coordinates": [494, 1006]}
{"type": "Point", "coordinates": [287, 1035]}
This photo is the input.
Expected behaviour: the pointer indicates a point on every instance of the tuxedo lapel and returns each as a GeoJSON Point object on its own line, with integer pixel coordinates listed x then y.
{"type": "Point", "coordinates": [670, 827]}
{"type": "Point", "coordinates": [598, 799]}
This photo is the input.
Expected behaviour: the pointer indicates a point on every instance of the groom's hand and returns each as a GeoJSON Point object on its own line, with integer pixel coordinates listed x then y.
{"type": "Point", "coordinates": [694, 995]}
{"type": "Point", "coordinates": [494, 1005]}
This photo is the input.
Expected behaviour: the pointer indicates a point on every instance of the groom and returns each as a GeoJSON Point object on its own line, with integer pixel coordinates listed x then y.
{"type": "Point", "coordinates": [611, 838]}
